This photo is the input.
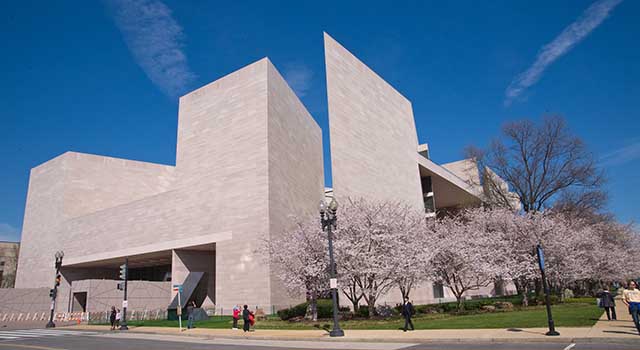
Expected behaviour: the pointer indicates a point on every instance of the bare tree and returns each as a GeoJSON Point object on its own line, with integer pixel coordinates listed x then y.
{"type": "Point", "coordinates": [541, 163]}
{"type": "Point", "coordinates": [11, 263]}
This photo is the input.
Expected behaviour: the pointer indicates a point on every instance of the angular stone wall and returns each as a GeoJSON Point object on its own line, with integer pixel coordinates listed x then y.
{"type": "Point", "coordinates": [374, 143]}
{"type": "Point", "coordinates": [24, 300]}
{"type": "Point", "coordinates": [141, 295]}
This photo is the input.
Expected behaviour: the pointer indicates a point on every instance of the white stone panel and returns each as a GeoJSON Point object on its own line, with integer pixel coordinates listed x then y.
{"type": "Point", "coordinates": [373, 135]}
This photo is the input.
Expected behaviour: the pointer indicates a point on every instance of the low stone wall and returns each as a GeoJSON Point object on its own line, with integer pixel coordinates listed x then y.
{"type": "Point", "coordinates": [24, 300]}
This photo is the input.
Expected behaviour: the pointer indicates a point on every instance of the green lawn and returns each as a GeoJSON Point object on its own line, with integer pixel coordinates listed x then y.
{"type": "Point", "coordinates": [564, 315]}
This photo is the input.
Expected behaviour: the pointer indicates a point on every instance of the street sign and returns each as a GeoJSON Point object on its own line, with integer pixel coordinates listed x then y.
{"type": "Point", "coordinates": [540, 256]}
{"type": "Point", "coordinates": [125, 303]}
{"type": "Point", "coordinates": [333, 283]}
{"type": "Point", "coordinates": [177, 288]}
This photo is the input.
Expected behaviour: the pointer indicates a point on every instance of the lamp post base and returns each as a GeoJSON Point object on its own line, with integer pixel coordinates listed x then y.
{"type": "Point", "coordinates": [552, 333]}
{"type": "Point", "coordinates": [50, 324]}
{"type": "Point", "coordinates": [336, 333]}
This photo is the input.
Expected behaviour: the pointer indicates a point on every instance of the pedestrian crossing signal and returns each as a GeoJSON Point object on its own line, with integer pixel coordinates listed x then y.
{"type": "Point", "coordinates": [58, 279]}
{"type": "Point", "coordinates": [52, 293]}
{"type": "Point", "coordinates": [121, 286]}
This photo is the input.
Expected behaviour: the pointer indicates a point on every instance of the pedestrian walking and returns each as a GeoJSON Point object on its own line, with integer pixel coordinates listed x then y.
{"type": "Point", "coordinates": [191, 306]}
{"type": "Point", "coordinates": [608, 303]}
{"type": "Point", "coordinates": [118, 315]}
{"type": "Point", "coordinates": [245, 318]}
{"type": "Point", "coordinates": [252, 319]}
{"type": "Point", "coordinates": [407, 311]}
{"type": "Point", "coordinates": [236, 316]}
{"type": "Point", "coordinates": [112, 318]}
{"type": "Point", "coordinates": [631, 298]}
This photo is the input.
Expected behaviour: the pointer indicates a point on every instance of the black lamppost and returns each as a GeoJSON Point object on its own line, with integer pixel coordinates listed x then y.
{"type": "Point", "coordinates": [54, 292]}
{"type": "Point", "coordinates": [328, 220]}
{"type": "Point", "coordinates": [124, 275]}
{"type": "Point", "coordinates": [545, 285]}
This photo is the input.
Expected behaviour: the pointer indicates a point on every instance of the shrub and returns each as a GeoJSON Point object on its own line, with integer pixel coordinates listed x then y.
{"type": "Point", "coordinates": [583, 300]}
{"type": "Point", "coordinates": [385, 311]}
{"type": "Point", "coordinates": [325, 310]}
{"type": "Point", "coordinates": [540, 299]}
{"type": "Point", "coordinates": [469, 305]}
{"type": "Point", "coordinates": [294, 311]}
{"type": "Point", "coordinates": [363, 311]}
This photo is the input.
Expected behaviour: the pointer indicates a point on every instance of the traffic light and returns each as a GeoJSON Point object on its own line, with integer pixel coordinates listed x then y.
{"type": "Point", "coordinates": [123, 272]}
{"type": "Point", "coordinates": [52, 293]}
{"type": "Point", "coordinates": [120, 286]}
{"type": "Point", "coordinates": [58, 279]}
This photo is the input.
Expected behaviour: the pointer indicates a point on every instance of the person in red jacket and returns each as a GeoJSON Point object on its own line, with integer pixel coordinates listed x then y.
{"type": "Point", "coordinates": [236, 316]}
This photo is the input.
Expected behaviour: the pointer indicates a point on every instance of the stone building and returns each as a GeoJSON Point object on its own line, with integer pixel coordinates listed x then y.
{"type": "Point", "coordinates": [249, 156]}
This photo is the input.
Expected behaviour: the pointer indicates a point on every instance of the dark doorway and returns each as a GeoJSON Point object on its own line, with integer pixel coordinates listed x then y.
{"type": "Point", "coordinates": [79, 302]}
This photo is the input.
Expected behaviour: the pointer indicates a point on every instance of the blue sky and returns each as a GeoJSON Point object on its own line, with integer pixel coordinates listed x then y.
{"type": "Point", "coordinates": [103, 77]}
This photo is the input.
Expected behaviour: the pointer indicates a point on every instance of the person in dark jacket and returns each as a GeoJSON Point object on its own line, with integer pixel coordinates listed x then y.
{"type": "Point", "coordinates": [245, 318]}
{"type": "Point", "coordinates": [190, 313]}
{"type": "Point", "coordinates": [608, 303]}
{"type": "Point", "coordinates": [112, 318]}
{"type": "Point", "coordinates": [407, 312]}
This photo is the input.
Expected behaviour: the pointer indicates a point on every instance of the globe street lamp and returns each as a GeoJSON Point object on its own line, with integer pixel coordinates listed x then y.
{"type": "Point", "coordinates": [54, 292]}
{"type": "Point", "coordinates": [328, 220]}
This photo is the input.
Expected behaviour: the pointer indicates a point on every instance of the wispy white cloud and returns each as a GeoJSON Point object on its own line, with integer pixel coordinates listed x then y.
{"type": "Point", "coordinates": [570, 36]}
{"type": "Point", "coordinates": [622, 155]}
{"type": "Point", "coordinates": [299, 77]}
{"type": "Point", "coordinates": [8, 232]}
{"type": "Point", "coordinates": [155, 40]}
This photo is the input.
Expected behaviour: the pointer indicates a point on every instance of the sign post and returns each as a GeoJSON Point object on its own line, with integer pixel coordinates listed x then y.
{"type": "Point", "coordinates": [540, 253]}
{"type": "Point", "coordinates": [178, 288]}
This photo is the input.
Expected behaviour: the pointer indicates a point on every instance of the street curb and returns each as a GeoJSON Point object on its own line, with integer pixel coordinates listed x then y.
{"type": "Point", "coordinates": [406, 340]}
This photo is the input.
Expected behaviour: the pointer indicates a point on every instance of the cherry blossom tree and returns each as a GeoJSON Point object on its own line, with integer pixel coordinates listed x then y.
{"type": "Point", "coordinates": [299, 258]}
{"type": "Point", "coordinates": [464, 254]}
{"type": "Point", "coordinates": [512, 244]}
{"type": "Point", "coordinates": [415, 254]}
{"type": "Point", "coordinates": [373, 245]}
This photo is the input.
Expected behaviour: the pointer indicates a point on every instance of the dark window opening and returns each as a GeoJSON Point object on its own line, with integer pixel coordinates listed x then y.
{"type": "Point", "coordinates": [438, 290]}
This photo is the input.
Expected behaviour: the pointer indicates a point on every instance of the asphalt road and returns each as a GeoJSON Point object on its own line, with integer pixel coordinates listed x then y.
{"type": "Point", "coordinates": [43, 339]}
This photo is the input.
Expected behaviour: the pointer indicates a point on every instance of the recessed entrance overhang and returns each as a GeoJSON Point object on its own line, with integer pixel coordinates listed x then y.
{"type": "Point", "coordinates": [73, 260]}
{"type": "Point", "coordinates": [449, 189]}
{"type": "Point", "coordinates": [157, 258]}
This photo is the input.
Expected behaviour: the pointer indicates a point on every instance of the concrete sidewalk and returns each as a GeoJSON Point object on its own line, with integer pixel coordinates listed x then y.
{"type": "Point", "coordinates": [621, 331]}
{"type": "Point", "coordinates": [618, 333]}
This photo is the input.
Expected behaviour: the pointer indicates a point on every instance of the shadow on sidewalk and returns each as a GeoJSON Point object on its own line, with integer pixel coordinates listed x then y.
{"type": "Point", "coordinates": [620, 332]}
{"type": "Point", "coordinates": [522, 330]}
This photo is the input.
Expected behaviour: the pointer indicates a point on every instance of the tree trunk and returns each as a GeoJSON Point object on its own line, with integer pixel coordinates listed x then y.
{"type": "Point", "coordinates": [372, 306]}
{"type": "Point", "coordinates": [312, 308]}
{"type": "Point", "coordinates": [525, 300]}
{"type": "Point", "coordinates": [405, 286]}
{"type": "Point", "coordinates": [460, 303]}
{"type": "Point", "coordinates": [352, 295]}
